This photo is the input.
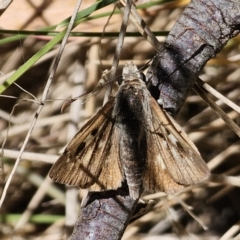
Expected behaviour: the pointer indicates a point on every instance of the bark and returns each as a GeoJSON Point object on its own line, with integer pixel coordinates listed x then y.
{"type": "Point", "coordinates": [200, 33]}
{"type": "Point", "coordinates": [104, 215]}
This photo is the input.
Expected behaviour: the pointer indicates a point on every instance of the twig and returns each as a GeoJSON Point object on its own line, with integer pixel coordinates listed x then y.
{"type": "Point", "coordinates": [118, 48]}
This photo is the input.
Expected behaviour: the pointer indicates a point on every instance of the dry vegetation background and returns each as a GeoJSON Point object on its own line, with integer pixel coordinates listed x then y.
{"type": "Point", "coordinates": [34, 207]}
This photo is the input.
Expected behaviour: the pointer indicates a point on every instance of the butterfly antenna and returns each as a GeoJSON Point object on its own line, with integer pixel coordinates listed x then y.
{"type": "Point", "coordinates": [101, 83]}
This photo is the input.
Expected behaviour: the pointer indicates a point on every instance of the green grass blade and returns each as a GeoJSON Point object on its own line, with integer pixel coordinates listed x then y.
{"type": "Point", "coordinates": [21, 70]}
{"type": "Point", "coordinates": [81, 17]}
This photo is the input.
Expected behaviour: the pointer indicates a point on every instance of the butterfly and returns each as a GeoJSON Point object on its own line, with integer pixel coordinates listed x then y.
{"type": "Point", "coordinates": [131, 139]}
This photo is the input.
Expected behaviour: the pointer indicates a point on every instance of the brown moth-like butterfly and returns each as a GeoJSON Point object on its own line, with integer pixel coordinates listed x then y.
{"type": "Point", "coordinates": [131, 138]}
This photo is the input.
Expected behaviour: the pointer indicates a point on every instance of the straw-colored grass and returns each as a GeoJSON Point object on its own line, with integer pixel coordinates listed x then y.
{"type": "Point", "coordinates": [34, 207]}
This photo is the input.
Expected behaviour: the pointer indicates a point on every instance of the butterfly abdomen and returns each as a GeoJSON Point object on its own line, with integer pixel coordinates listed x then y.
{"type": "Point", "coordinates": [132, 156]}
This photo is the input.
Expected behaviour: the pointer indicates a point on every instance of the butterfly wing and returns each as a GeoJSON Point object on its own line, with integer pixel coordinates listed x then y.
{"type": "Point", "coordinates": [111, 175]}
{"type": "Point", "coordinates": [91, 155]}
{"type": "Point", "coordinates": [157, 177]}
{"type": "Point", "coordinates": [172, 156]}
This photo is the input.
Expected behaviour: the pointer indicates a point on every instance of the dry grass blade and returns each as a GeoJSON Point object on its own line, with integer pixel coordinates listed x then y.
{"type": "Point", "coordinates": [218, 95]}
{"type": "Point", "coordinates": [31, 156]}
{"type": "Point", "coordinates": [71, 191]}
{"type": "Point", "coordinates": [4, 5]}
{"type": "Point", "coordinates": [2, 177]}
{"type": "Point", "coordinates": [215, 202]}
{"type": "Point", "coordinates": [232, 232]}
{"type": "Point", "coordinates": [199, 90]}
{"type": "Point", "coordinates": [119, 46]}
{"type": "Point", "coordinates": [44, 96]}
{"type": "Point", "coordinates": [221, 157]}
{"type": "Point", "coordinates": [228, 180]}
{"type": "Point", "coordinates": [33, 204]}
{"type": "Point", "coordinates": [142, 27]}
{"type": "Point", "coordinates": [190, 212]}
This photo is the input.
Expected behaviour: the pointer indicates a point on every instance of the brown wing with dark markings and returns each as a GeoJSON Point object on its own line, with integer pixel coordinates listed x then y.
{"type": "Point", "coordinates": [91, 155]}
{"type": "Point", "coordinates": [173, 161]}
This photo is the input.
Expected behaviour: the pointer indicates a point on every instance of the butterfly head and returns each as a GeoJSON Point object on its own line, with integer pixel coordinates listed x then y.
{"type": "Point", "coordinates": [131, 73]}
